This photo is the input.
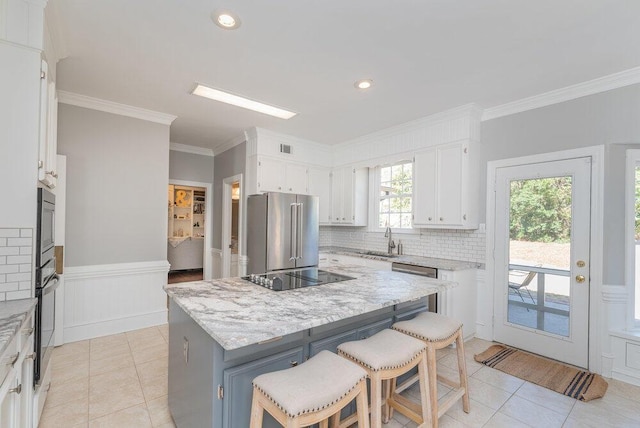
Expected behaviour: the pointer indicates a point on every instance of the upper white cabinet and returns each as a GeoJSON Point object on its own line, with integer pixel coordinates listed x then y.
{"type": "Point", "coordinates": [48, 147]}
{"type": "Point", "coordinates": [275, 175]}
{"type": "Point", "coordinates": [349, 195]}
{"type": "Point", "coordinates": [320, 186]}
{"type": "Point", "coordinates": [445, 187]}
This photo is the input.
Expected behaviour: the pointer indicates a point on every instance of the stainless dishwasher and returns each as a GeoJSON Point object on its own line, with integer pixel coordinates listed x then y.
{"type": "Point", "coordinates": [429, 272]}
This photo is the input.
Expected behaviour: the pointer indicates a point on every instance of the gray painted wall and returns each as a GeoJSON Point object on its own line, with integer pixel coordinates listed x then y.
{"type": "Point", "coordinates": [610, 118]}
{"type": "Point", "coordinates": [190, 167]}
{"type": "Point", "coordinates": [226, 164]}
{"type": "Point", "coordinates": [117, 175]}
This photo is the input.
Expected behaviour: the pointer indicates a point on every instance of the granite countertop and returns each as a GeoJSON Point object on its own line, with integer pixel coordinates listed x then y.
{"type": "Point", "coordinates": [237, 313]}
{"type": "Point", "coordinates": [445, 264]}
{"type": "Point", "coordinates": [12, 315]}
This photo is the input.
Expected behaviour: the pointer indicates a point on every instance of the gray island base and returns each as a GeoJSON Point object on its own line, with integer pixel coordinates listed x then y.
{"type": "Point", "coordinates": [224, 333]}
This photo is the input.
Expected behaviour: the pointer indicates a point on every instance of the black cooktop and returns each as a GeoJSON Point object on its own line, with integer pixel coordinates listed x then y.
{"type": "Point", "coordinates": [298, 278]}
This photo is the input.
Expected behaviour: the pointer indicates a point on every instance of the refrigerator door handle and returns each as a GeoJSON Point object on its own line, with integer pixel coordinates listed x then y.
{"type": "Point", "coordinates": [293, 238]}
{"type": "Point", "coordinates": [299, 234]}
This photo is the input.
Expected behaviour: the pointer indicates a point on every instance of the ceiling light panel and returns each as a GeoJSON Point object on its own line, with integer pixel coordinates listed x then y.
{"type": "Point", "coordinates": [225, 97]}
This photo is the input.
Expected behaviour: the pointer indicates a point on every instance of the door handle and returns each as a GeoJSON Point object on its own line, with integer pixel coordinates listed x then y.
{"type": "Point", "coordinates": [293, 228]}
{"type": "Point", "coordinates": [299, 237]}
{"type": "Point", "coordinates": [580, 279]}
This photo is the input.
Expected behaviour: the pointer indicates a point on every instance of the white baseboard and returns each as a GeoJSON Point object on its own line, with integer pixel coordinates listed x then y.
{"type": "Point", "coordinates": [109, 299]}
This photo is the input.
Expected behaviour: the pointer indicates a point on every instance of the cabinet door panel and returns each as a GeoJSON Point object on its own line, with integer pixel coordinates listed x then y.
{"type": "Point", "coordinates": [424, 188]}
{"type": "Point", "coordinates": [450, 185]}
{"type": "Point", "coordinates": [270, 175]}
{"type": "Point", "coordinates": [237, 380]}
{"type": "Point", "coordinates": [336, 196]}
{"type": "Point", "coordinates": [320, 186]}
{"type": "Point", "coordinates": [295, 178]}
{"type": "Point", "coordinates": [348, 195]}
{"type": "Point", "coordinates": [374, 328]}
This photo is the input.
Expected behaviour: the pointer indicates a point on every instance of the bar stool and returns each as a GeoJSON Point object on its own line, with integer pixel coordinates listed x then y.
{"type": "Point", "coordinates": [385, 356]}
{"type": "Point", "coordinates": [438, 331]}
{"type": "Point", "coordinates": [310, 393]}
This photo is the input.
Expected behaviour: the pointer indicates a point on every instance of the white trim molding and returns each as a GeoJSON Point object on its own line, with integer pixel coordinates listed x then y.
{"type": "Point", "coordinates": [601, 84]}
{"type": "Point", "coordinates": [229, 144]}
{"type": "Point", "coordinates": [109, 299]}
{"type": "Point", "coordinates": [194, 150]}
{"type": "Point", "coordinates": [85, 101]}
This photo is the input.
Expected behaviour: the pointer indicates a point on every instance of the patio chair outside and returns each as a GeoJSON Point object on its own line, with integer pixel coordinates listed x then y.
{"type": "Point", "coordinates": [515, 286]}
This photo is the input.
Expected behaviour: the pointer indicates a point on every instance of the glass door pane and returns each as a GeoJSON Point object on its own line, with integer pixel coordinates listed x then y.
{"type": "Point", "coordinates": [540, 219]}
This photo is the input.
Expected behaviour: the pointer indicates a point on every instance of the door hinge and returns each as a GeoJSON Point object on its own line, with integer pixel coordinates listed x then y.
{"type": "Point", "coordinates": [220, 392]}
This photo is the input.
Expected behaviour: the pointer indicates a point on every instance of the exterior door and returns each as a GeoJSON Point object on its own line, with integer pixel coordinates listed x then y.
{"type": "Point", "coordinates": [542, 258]}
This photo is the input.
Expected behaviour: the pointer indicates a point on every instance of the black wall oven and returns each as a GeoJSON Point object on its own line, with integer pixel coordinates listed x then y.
{"type": "Point", "coordinates": [46, 283]}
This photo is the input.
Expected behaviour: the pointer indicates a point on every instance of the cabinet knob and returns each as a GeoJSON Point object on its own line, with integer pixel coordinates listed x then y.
{"type": "Point", "coordinates": [293, 363]}
{"type": "Point", "coordinates": [28, 331]}
{"type": "Point", "coordinates": [441, 218]}
{"type": "Point", "coordinates": [429, 218]}
{"type": "Point", "coordinates": [290, 189]}
{"type": "Point", "coordinates": [17, 389]}
{"type": "Point", "coordinates": [279, 188]}
{"type": "Point", "coordinates": [51, 173]}
{"type": "Point", "coordinates": [343, 218]}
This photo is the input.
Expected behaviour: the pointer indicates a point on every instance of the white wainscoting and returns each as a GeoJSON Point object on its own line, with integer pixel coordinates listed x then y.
{"type": "Point", "coordinates": [108, 299]}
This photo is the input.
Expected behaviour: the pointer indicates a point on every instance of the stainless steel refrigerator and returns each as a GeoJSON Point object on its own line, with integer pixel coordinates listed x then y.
{"type": "Point", "coordinates": [282, 232]}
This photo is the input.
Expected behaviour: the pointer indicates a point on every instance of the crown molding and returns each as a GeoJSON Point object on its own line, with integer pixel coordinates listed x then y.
{"type": "Point", "coordinates": [601, 84]}
{"type": "Point", "coordinates": [229, 144]}
{"type": "Point", "coordinates": [290, 139]}
{"type": "Point", "coordinates": [79, 100]}
{"type": "Point", "coordinates": [195, 150]}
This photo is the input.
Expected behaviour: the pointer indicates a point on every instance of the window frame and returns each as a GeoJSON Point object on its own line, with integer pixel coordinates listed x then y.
{"type": "Point", "coordinates": [633, 287]}
{"type": "Point", "coordinates": [374, 197]}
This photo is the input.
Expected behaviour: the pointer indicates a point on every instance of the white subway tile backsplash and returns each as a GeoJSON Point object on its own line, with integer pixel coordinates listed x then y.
{"type": "Point", "coordinates": [10, 286]}
{"type": "Point", "coordinates": [16, 249]}
{"type": "Point", "coordinates": [19, 276]}
{"type": "Point", "coordinates": [9, 269]}
{"type": "Point", "coordinates": [9, 251]}
{"type": "Point", "coordinates": [18, 242]}
{"type": "Point", "coordinates": [464, 245]}
{"type": "Point", "coordinates": [17, 260]}
{"type": "Point", "coordinates": [15, 295]}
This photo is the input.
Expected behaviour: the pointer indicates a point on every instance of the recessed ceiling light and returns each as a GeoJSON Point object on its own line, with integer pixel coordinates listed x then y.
{"type": "Point", "coordinates": [225, 19]}
{"type": "Point", "coordinates": [363, 84]}
{"type": "Point", "coordinates": [225, 97]}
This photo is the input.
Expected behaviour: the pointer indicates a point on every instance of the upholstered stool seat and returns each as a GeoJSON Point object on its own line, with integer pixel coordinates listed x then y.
{"type": "Point", "coordinates": [311, 392]}
{"type": "Point", "coordinates": [437, 332]}
{"type": "Point", "coordinates": [385, 356]}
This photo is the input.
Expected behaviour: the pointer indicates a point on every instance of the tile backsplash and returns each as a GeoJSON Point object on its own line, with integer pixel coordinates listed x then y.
{"type": "Point", "coordinates": [16, 263]}
{"type": "Point", "coordinates": [464, 245]}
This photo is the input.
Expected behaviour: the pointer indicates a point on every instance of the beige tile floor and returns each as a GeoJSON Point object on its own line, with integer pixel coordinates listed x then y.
{"type": "Point", "coordinates": [120, 381]}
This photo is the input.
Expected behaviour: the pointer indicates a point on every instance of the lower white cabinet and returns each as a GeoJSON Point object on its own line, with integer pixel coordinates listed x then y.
{"type": "Point", "coordinates": [16, 390]}
{"type": "Point", "coordinates": [460, 302]}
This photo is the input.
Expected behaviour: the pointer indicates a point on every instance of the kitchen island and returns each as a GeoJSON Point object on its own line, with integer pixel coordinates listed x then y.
{"type": "Point", "coordinates": [224, 333]}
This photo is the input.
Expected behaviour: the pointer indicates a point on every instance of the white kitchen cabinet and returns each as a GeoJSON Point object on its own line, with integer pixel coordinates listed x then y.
{"type": "Point", "coordinates": [460, 302]}
{"type": "Point", "coordinates": [16, 391]}
{"type": "Point", "coordinates": [349, 196]}
{"type": "Point", "coordinates": [320, 186]}
{"type": "Point", "coordinates": [445, 187]}
{"type": "Point", "coordinates": [279, 176]}
{"type": "Point", "coordinates": [48, 143]}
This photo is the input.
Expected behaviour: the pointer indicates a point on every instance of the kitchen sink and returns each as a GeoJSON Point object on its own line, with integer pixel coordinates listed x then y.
{"type": "Point", "coordinates": [380, 254]}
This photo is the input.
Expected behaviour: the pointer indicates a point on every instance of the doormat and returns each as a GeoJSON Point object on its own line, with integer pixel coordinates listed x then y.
{"type": "Point", "coordinates": [575, 383]}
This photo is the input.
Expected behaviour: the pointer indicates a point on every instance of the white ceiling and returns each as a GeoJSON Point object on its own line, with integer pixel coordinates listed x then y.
{"type": "Point", "coordinates": [424, 56]}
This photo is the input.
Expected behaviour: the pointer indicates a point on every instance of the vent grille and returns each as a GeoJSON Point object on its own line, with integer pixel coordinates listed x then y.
{"type": "Point", "coordinates": [285, 148]}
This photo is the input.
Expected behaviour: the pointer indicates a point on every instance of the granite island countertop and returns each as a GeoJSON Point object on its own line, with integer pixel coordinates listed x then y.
{"type": "Point", "coordinates": [432, 262]}
{"type": "Point", "coordinates": [12, 315]}
{"type": "Point", "coordinates": [237, 313]}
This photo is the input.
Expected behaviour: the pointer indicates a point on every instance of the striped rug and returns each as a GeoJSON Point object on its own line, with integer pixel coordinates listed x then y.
{"type": "Point", "coordinates": [570, 381]}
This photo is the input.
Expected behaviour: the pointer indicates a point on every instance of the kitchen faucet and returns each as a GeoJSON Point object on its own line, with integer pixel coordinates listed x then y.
{"type": "Point", "coordinates": [391, 245]}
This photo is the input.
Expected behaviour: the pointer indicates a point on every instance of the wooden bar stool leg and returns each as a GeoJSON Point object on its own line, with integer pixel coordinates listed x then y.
{"type": "Point", "coordinates": [433, 384]}
{"type": "Point", "coordinates": [425, 394]}
{"type": "Point", "coordinates": [257, 411]}
{"type": "Point", "coordinates": [324, 423]}
{"type": "Point", "coordinates": [392, 390]}
{"type": "Point", "coordinates": [362, 407]}
{"type": "Point", "coordinates": [462, 369]}
{"type": "Point", "coordinates": [376, 402]}
{"type": "Point", "coordinates": [334, 421]}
